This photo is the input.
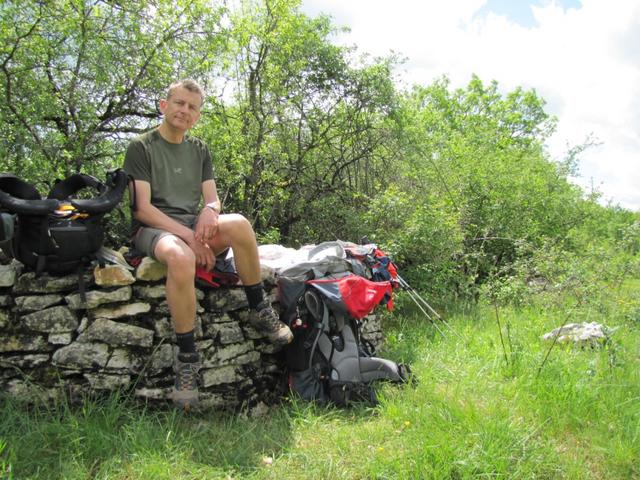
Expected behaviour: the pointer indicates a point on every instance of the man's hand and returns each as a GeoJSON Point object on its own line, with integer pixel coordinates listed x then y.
{"type": "Point", "coordinates": [207, 226]}
{"type": "Point", "coordinates": [204, 255]}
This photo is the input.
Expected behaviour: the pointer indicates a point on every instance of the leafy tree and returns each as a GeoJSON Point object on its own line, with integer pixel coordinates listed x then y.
{"type": "Point", "coordinates": [76, 76]}
{"type": "Point", "coordinates": [476, 181]}
{"type": "Point", "coordinates": [302, 140]}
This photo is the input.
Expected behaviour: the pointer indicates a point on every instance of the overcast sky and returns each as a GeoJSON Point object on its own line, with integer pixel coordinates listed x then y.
{"type": "Point", "coordinates": [581, 56]}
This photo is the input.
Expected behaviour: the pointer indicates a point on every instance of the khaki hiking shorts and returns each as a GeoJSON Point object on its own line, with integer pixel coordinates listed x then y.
{"type": "Point", "coordinates": [146, 238]}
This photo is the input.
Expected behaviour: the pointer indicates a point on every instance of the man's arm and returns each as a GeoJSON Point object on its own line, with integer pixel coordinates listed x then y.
{"type": "Point", "coordinates": [207, 225]}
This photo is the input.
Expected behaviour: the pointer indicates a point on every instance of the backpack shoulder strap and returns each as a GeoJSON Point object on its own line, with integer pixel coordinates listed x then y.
{"type": "Point", "coordinates": [18, 196]}
{"type": "Point", "coordinates": [63, 189]}
{"type": "Point", "coordinates": [109, 194]}
{"type": "Point", "coordinates": [109, 198]}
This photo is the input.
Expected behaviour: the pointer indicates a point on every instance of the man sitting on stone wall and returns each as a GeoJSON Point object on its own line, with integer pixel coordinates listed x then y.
{"type": "Point", "coordinates": [172, 173]}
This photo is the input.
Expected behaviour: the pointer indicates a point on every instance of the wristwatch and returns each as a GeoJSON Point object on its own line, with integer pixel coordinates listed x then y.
{"type": "Point", "coordinates": [214, 206]}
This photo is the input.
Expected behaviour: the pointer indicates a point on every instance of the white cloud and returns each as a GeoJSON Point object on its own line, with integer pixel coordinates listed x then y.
{"type": "Point", "coordinates": [584, 61]}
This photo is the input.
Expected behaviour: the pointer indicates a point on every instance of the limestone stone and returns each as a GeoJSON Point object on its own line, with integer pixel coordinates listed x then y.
{"type": "Point", "coordinates": [8, 275]}
{"type": "Point", "coordinates": [198, 332]}
{"type": "Point", "coordinates": [224, 300]}
{"type": "Point", "coordinates": [150, 292]}
{"type": "Point", "coordinates": [249, 331]}
{"type": "Point", "coordinates": [156, 292]}
{"type": "Point", "coordinates": [122, 359]}
{"type": "Point", "coordinates": [226, 332]}
{"type": "Point", "coordinates": [4, 319]}
{"type": "Point", "coordinates": [371, 324]}
{"type": "Point", "coordinates": [24, 361]}
{"type": "Point", "coordinates": [32, 303]}
{"type": "Point", "coordinates": [19, 266]}
{"type": "Point", "coordinates": [112, 276]}
{"type": "Point", "coordinates": [60, 338]}
{"type": "Point", "coordinates": [268, 274]}
{"type": "Point", "coordinates": [269, 348]}
{"type": "Point", "coordinates": [30, 283]}
{"type": "Point", "coordinates": [211, 318]}
{"type": "Point", "coordinates": [82, 355]}
{"type": "Point", "coordinates": [101, 381]}
{"type": "Point", "coordinates": [52, 320]}
{"type": "Point", "coordinates": [120, 311]}
{"type": "Point", "coordinates": [7, 372]}
{"type": "Point", "coordinates": [219, 376]}
{"type": "Point", "coordinates": [589, 333]}
{"type": "Point", "coordinates": [249, 357]}
{"type": "Point", "coordinates": [273, 368]}
{"type": "Point", "coordinates": [149, 270]}
{"type": "Point", "coordinates": [163, 329]}
{"type": "Point", "coordinates": [6, 300]}
{"type": "Point", "coordinates": [152, 393]}
{"type": "Point", "coordinates": [163, 309]}
{"type": "Point", "coordinates": [95, 298]}
{"type": "Point", "coordinates": [216, 401]}
{"type": "Point", "coordinates": [115, 333]}
{"type": "Point", "coordinates": [161, 359]}
{"type": "Point", "coordinates": [203, 345]}
{"type": "Point", "coordinates": [30, 392]}
{"type": "Point", "coordinates": [226, 354]}
{"type": "Point", "coordinates": [84, 323]}
{"type": "Point", "coordinates": [23, 343]}
{"type": "Point", "coordinates": [259, 411]}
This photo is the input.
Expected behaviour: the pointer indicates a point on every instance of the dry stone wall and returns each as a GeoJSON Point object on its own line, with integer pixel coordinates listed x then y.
{"type": "Point", "coordinates": [54, 344]}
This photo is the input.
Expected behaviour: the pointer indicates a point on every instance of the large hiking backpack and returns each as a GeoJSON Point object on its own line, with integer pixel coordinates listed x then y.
{"type": "Point", "coordinates": [60, 233]}
{"type": "Point", "coordinates": [324, 301]}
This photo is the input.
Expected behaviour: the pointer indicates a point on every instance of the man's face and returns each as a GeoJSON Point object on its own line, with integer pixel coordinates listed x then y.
{"type": "Point", "coordinates": [182, 110]}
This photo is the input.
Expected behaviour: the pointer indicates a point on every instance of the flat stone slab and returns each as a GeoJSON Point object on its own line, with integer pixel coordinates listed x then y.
{"type": "Point", "coordinates": [30, 283]}
{"type": "Point", "coordinates": [220, 300]}
{"type": "Point", "coordinates": [32, 303]}
{"type": "Point", "coordinates": [219, 376]}
{"type": "Point", "coordinates": [52, 320]}
{"type": "Point", "coordinates": [125, 360]}
{"type": "Point", "coordinates": [116, 333]}
{"type": "Point", "coordinates": [82, 356]}
{"type": "Point", "coordinates": [8, 275]}
{"type": "Point", "coordinates": [24, 361]}
{"type": "Point", "coordinates": [149, 270]}
{"type": "Point", "coordinates": [101, 381]}
{"type": "Point", "coordinates": [95, 298]}
{"type": "Point", "coordinates": [23, 343]}
{"type": "Point", "coordinates": [122, 311]}
{"type": "Point", "coordinates": [113, 276]}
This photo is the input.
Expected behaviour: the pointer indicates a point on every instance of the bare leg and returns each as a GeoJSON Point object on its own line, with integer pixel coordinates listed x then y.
{"type": "Point", "coordinates": [181, 293]}
{"type": "Point", "coordinates": [236, 232]}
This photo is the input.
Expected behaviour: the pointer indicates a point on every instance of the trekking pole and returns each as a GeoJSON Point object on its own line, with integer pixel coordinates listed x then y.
{"type": "Point", "coordinates": [404, 283]}
{"type": "Point", "coordinates": [434, 323]}
{"type": "Point", "coordinates": [413, 296]}
{"type": "Point", "coordinates": [418, 300]}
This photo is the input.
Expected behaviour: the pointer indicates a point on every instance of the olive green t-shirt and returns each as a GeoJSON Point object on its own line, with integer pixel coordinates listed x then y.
{"type": "Point", "coordinates": [175, 171]}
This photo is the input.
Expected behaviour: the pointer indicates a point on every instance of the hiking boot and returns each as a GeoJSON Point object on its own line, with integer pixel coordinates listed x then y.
{"type": "Point", "coordinates": [185, 390]}
{"type": "Point", "coordinates": [266, 321]}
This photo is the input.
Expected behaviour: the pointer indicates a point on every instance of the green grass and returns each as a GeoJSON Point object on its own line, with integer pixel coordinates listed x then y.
{"type": "Point", "coordinates": [476, 411]}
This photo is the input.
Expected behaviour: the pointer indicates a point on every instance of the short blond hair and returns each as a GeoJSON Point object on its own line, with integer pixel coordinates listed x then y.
{"type": "Point", "coordinates": [187, 84]}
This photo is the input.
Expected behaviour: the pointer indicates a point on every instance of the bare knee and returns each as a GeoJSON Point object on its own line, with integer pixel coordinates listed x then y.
{"type": "Point", "coordinates": [181, 264]}
{"type": "Point", "coordinates": [236, 225]}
